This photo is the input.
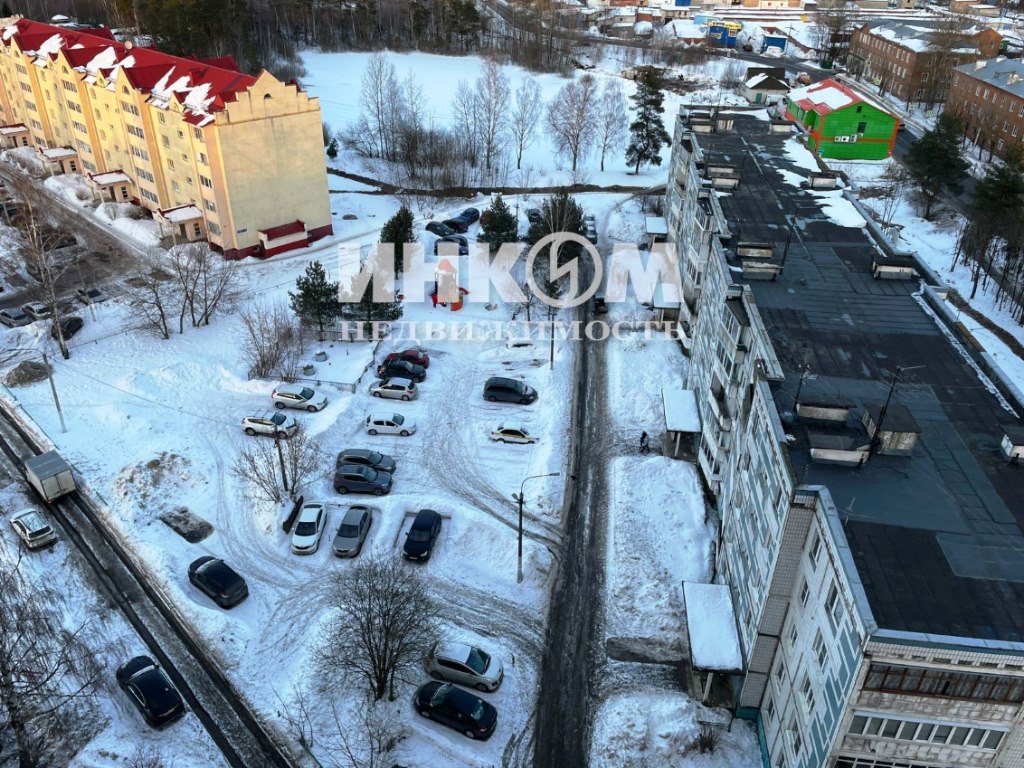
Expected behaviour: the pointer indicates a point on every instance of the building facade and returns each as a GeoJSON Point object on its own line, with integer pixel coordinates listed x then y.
{"type": "Point", "coordinates": [213, 153]}
{"type": "Point", "coordinates": [988, 96]}
{"type": "Point", "coordinates": [876, 629]}
{"type": "Point", "coordinates": [841, 123]}
{"type": "Point", "coordinates": [914, 61]}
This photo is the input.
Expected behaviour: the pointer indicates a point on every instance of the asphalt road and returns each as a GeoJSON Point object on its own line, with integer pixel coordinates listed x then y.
{"type": "Point", "coordinates": [571, 654]}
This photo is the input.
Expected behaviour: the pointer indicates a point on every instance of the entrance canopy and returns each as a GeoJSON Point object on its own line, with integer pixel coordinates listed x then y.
{"type": "Point", "coordinates": [711, 625]}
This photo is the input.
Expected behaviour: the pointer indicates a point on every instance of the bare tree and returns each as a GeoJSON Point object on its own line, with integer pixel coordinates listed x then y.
{"type": "Point", "coordinates": [205, 279]}
{"type": "Point", "coordinates": [154, 294]}
{"type": "Point", "coordinates": [382, 621]}
{"type": "Point", "coordinates": [378, 86]}
{"type": "Point", "coordinates": [467, 119]}
{"type": "Point", "coordinates": [269, 339]}
{"type": "Point", "coordinates": [570, 118]}
{"type": "Point", "coordinates": [48, 672]}
{"type": "Point", "coordinates": [732, 76]}
{"type": "Point", "coordinates": [833, 26]}
{"type": "Point", "coordinates": [145, 757]}
{"type": "Point", "coordinates": [492, 95]}
{"type": "Point", "coordinates": [945, 49]}
{"type": "Point", "coordinates": [526, 113]}
{"type": "Point", "coordinates": [897, 180]}
{"type": "Point", "coordinates": [612, 119]}
{"type": "Point", "coordinates": [261, 462]}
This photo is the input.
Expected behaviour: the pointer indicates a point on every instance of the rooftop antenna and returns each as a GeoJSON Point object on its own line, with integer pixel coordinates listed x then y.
{"type": "Point", "coordinates": [876, 439]}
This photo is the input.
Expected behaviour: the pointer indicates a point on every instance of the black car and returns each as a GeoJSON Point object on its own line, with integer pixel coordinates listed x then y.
{"type": "Point", "coordinates": [533, 215]}
{"type": "Point", "coordinates": [150, 690]}
{"type": "Point", "coordinates": [69, 326]}
{"type": "Point", "coordinates": [600, 306]}
{"type": "Point", "coordinates": [508, 391]}
{"type": "Point", "coordinates": [472, 215]}
{"type": "Point", "coordinates": [219, 581]}
{"type": "Point", "coordinates": [460, 244]}
{"type": "Point", "coordinates": [367, 458]}
{"type": "Point", "coordinates": [355, 478]}
{"type": "Point", "coordinates": [456, 708]}
{"type": "Point", "coordinates": [402, 369]}
{"type": "Point", "coordinates": [457, 224]}
{"type": "Point", "coordinates": [439, 229]}
{"type": "Point", "coordinates": [419, 541]}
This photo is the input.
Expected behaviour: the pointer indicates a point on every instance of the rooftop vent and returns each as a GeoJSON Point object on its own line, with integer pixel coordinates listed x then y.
{"type": "Point", "coordinates": [1013, 78]}
{"type": "Point", "coordinates": [979, 64]}
{"type": "Point", "coordinates": [899, 430]}
{"type": "Point", "coordinates": [1012, 443]}
{"type": "Point", "coordinates": [844, 450]}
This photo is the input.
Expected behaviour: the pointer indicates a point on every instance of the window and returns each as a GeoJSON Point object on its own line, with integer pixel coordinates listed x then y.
{"type": "Point", "coordinates": [214, 227]}
{"type": "Point", "coordinates": [197, 229]}
{"type": "Point", "coordinates": [149, 196]}
{"type": "Point", "coordinates": [804, 592]}
{"type": "Point", "coordinates": [202, 158]}
{"type": "Point", "coordinates": [175, 187]}
{"type": "Point", "coordinates": [820, 651]}
{"type": "Point", "coordinates": [807, 694]}
{"type": "Point", "coordinates": [198, 134]}
{"type": "Point", "coordinates": [162, 118]}
{"type": "Point", "coordinates": [170, 165]}
{"type": "Point", "coordinates": [210, 206]}
{"type": "Point", "coordinates": [769, 711]}
{"type": "Point", "coordinates": [780, 671]}
{"type": "Point", "coordinates": [792, 634]}
{"type": "Point", "coordinates": [834, 607]}
{"type": "Point", "coordinates": [184, 157]}
{"type": "Point", "coordinates": [860, 108]}
{"type": "Point", "coordinates": [943, 683]}
{"type": "Point", "coordinates": [815, 548]}
{"type": "Point", "coordinates": [181, 134]}
{"type": "Point", "coordinates": [166, 142]}
{"type": "Point", "coordinates": [924, 77]}
{"type": "Point", "coordinates": [1016, 129]}
{"type": "Point", "coordinates": [796, 740]}
{"type": "Point", "coordinates": [205, 182]}
{"type": "Point", "coordinates": [861, 127]}
{"type": "Point", "coordinates": [1006, 125]}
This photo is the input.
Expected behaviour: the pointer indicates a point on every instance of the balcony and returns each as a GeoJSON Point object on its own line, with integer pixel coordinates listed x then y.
{"type": "Point", "coordinates": [720, 409]}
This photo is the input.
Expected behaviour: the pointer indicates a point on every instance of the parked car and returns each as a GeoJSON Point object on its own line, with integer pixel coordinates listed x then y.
{"type": "Point", "coordinates": [590, 229]}
{"type": "Point", "coordinates": [449, 246]}
{"type": "Point", "coordinates": [390, 424]}
{"type": "Point", "coordinates": [150, 690]}
{"type": "Point", "coordinates": [456, 708]}
{"type": "Point", "coordinates": [464, 664]}
{"type": "Point", "coordinates": [270, 423]}
{"type": "Point", "coordinates": [533, 215]}
{"type": "Point", "coordinates": [348, 541]}
{"type": "Point", "coordinates": [298, 396]}
{"type": "Point", "coordinates": [355, 478]}
{"type": "Point", "coordinates": [439, 229]}
{"type": "Point", "coordinates": [13, 317]}
{"type": "Point", "coordinates": [472, 215]}
{"type": "Point", "coordinates": [419, 541]}
{"type": "Point", "coordinates": [803, 79]}
{"type": "Point", "coordinates": [91, 295]}
{"type": "Point", "coordinates": [32, 529]}
{"type": "Point", "coordinates": [309, 528]}
{"type": "Point", "coordinates": [414, 355]}
{"type": "Point", "coordinates": [367, 458]}
{"type": "Point", "coordinates": [600, 307]}
{"type": "Point", "coordinates": [402, 369]}
{"type": "Point", "coordinates": [218, 581]}
{"type": "Point", "coordinates": [456, 224]}
{"type": "Point", "coordinates": [508, 391]}
{"type": "Point", "coordinates": [69, 326]}
{"type": "Point", "coordinates": [395, 389]}
{"type": "Point", "coordinates": [37, 310]}
{"type": "Point", "coordinates": [511, 434]}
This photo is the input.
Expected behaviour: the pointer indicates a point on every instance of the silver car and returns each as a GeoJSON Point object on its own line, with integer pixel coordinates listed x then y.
{"type": "Point", "coordinates": [270, 423]}
{"type": "Point", "coordinates": [298, 396]}
{"type": "Point", "coordinates": [37, 310]}
{"type": "Point", "coordinates": [395, 389]}
{"type": "Point", "coordinates": [464, 664]}
{"type": "Point", "coordinates": [13, 317]}
{"type": "Point", "coordinates": [348, 542]}
{"type": "Point", "coordinates": [32, 529]}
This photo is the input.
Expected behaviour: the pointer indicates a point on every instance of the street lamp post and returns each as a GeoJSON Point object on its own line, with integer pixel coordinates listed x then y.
{"type": "Point", "coordinates": [519, 498]}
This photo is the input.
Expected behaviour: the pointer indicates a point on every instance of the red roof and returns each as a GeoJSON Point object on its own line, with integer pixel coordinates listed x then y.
{"type": "Point", "coordinates": [802, 97]}
{"type": "Point", "coordinates": [284, 230]}
{"type": "Point", "coordinates": [150, 67]}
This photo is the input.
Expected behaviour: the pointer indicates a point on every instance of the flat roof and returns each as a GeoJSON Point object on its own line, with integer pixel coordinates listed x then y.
{"type": "Point", "coordinates": [680, 410]}
{"type": "Point", "coordinates": [937, 536]}
{"type": "Point", "coordinates": [656, 225]}
{"type": "Point", "coordinates": [711, 625]}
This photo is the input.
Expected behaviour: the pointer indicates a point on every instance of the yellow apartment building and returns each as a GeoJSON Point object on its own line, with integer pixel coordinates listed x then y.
{"type": "Point", "coordinates": [212, 153]}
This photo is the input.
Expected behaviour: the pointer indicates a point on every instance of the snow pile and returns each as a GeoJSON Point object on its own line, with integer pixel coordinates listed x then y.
{"type": "Point", "coordinates": [800, 155]}
{"type": "Point", "coordinates": [660, 728]}
{"type": "Point", "coordinates": [840, 210]}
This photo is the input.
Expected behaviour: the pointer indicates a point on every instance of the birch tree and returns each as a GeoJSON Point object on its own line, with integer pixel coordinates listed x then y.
{"type": "Point", "coordinates": [612, 119]}
{"type": "Point", "coordinates": [526, 114]}
{"type": "Point", "coordinates": [570, 118]}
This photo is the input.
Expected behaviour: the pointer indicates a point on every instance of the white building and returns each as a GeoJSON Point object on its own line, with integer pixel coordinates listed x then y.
{"type": "Point", "coordinates": [878, 583]}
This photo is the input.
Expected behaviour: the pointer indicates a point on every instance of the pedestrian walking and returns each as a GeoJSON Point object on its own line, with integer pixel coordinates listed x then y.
{"type": "Point", "coordinates": [645, 443]}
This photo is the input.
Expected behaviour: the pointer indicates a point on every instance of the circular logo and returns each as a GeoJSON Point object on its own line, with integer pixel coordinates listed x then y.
{"type": "Point", "coordinates": [571, 269]}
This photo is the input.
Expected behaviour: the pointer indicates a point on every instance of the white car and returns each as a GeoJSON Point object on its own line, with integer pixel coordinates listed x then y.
{"type": "Point", "coordinates": [91, 295]}
{"type": "Point", "coordinates": [395, 389]}
{"type": "Point", "coordinates": [390, 424]}
{"type": "Point", "coordinates": [32, 529]}
{"type": "Point", "coordinates": [270, 423]}
{"type": "Point", "coordinates": [37, 310]}
{"type": "Point", "coordinates": [14, 318]}
{"type": "Point", "coordinates": [505, 433]}
{"type": "Point", "coordinates": [298, 396]}
{"type": "Point", "coordinates": [309, 528]}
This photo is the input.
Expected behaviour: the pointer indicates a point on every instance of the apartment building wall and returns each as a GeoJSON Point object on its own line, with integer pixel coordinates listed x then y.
{"type": "Point", "coordinates": [251, 164]}
{"type": "Point", "coordinates": [992, 110]}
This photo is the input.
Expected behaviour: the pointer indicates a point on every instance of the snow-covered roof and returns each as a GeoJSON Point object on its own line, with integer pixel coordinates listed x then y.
{"type": "Point", "coordinates": [1005, 74]}
{"type": "Point", "coordinates": [58, 153]}
{"type": "Point", "coordinates": [711, 625]}
{"type": "Point", "coordinates": [656, 225]}
{"type": "Point", "coordinates": [766, 82]}
{"type": "Point", "coordinates": [680, 410]}
{"type": "Point", "coordinates": [826, 94]}
{"type": "Point", "coordinates": [181, 214]}
{"type": "Point", "coordinates": [918, 35]}
{"type": "Point", "coordinates": [11, 130]}
{"type": "Point", "coordinates": [109, 178]}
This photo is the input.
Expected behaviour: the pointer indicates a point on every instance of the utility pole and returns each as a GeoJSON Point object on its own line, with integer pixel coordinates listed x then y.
{"type": "Point", "coordinates": [551, 332]}
{"type": "Point", "coordinates": [519, 498]}
{"type": "Point", "coordinates": [53, 390]}
{"type": "Point", "coordinates": [280, 456]}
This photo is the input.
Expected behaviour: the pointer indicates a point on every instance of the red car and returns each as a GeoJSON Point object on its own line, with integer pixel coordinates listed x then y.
{"type": "Point", "coordinates": [414, 355]}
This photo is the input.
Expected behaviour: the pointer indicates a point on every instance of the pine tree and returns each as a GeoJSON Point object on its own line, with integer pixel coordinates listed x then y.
{"type": "Point", "coordinates": [398, 231]}
{"type": "Point", "coordinates": [647, 134]}
{"type": "Point", "coordinates": [559, 213]}
{"type": "Point", "coordinates": [936, 163]}
{"type": "Point", "coordinates": [369, 311]}
{"type": "Point", "coordinates": [332, 149]}
{"type": "Point", "coordinates": [317, 299]}
{"type": "Point", "coordinates": [501, 226]}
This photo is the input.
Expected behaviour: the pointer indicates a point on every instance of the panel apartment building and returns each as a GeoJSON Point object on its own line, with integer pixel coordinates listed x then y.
{"type": "Point", "coordinates": [872, 530]}
{"type": "Point", "coordinates": [213, 153]}
{"type": "Point", "coordinates": [914, 60]}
